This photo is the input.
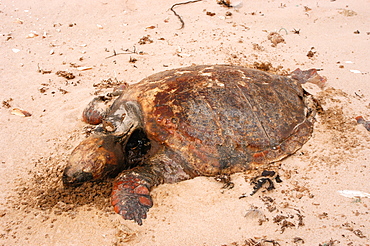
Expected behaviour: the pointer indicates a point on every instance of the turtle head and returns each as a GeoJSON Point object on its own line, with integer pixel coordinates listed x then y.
{"type": "Point", "coordinates": [118, 144]}
{"type": "Point", "coordinates": [94, 158]}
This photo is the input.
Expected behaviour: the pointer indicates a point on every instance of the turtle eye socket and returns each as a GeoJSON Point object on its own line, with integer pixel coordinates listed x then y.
{"type": "Point", "coordinates": [123, 117]}
{"type": "Point", "coordinates": [108, 126]}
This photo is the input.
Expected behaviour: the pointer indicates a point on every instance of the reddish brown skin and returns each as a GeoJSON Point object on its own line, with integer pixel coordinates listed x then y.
{"type": "Point", "coordinates": [131, 192]}
{"type": "Point", "coordinates": [209, 120]}
{"type": "Point", "coordinates": [95, 112]}
{"type": "Point", "coordinates": [92, 117]}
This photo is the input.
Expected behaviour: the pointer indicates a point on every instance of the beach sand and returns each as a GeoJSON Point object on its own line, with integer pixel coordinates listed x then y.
{"type": "Point", "coordinates": [104, 43]}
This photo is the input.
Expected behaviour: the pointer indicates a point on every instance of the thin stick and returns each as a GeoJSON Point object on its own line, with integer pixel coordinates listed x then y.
{"type": "Point", "coordinates": [284, 30]}
{"type": "Point", "coordinates": [127, 51]}
{"type": "Point", "coordinates": [178, 16]}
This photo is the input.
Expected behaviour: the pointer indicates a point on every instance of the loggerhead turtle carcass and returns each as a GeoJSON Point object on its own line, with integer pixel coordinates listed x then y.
{"type": "Point", "coordinates": [202, 120]}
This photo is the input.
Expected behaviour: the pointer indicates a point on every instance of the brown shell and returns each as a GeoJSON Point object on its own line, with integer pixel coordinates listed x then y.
{"type": "Point", "coordinates": [221, 117]}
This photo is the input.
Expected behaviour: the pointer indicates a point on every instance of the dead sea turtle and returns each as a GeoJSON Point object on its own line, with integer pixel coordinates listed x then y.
{"type": "Point", "coordinates": [187, 122]}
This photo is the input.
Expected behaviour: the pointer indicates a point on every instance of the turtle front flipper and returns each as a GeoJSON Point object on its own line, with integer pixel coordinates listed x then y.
{"type": "Point", "coordinates": [131, 194]}
{"type": "Point", "coordinates": [131, 189]}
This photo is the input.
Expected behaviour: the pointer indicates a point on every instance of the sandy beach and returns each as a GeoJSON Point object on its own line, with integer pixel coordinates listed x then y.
{"type": "Point", "coordinates": [57, 55]}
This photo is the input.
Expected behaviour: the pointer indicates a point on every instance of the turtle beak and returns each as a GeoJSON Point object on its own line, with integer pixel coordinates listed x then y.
{"type": "Point", "coordinates": [71, 178]}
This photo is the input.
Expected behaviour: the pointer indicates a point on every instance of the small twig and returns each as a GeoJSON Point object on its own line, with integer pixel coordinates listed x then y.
{"type": "Point", "coordinates": [178, 16]}
{"type": "Point", "coordinates": [127, 51]}
{"type": "Point", "coordinates": [284, 30]}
